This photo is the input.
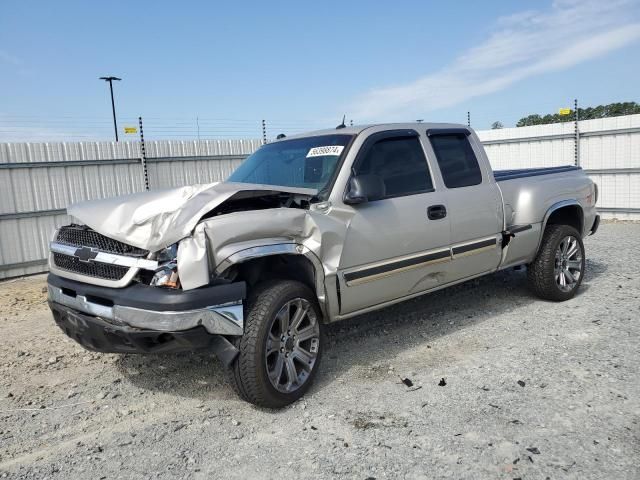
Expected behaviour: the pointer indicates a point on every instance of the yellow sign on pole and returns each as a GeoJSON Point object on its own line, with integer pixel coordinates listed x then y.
{"type": "Point", "coordinates": [564, 111]}
{"type": "Point", "coordinates": [130, 130]}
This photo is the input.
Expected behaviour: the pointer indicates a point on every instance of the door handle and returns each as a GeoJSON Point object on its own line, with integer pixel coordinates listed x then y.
{"type": "Point", "coordinates": [436, 212]}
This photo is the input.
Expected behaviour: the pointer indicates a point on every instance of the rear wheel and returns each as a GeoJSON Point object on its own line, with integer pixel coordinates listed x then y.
{"type": "Point", "coordinates": [281, 347]}
{"type": "Point", "coordinates": [558, 269]}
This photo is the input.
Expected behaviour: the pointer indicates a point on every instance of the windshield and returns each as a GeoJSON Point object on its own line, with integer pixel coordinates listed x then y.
{"type": "Point", "coordinates": [303, 162]}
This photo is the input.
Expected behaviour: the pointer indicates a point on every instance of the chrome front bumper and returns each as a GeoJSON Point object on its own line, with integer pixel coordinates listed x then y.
{"type": "Point", "coordinates": [225, 319]}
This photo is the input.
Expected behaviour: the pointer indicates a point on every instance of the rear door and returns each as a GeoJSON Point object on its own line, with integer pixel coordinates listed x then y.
{"type": "Point", "coordinates": [473, 202]}
{"type": "Point", "coordinates": [393, 248]}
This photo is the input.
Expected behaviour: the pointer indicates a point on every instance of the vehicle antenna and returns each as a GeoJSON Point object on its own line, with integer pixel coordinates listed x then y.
{"type": "Point", "coordinates": [342, 125]}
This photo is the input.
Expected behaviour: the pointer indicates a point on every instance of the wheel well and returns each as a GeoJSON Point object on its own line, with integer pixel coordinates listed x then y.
{"type": "Point", "coordinates": [570, 215]}
{"type": "Point", "coordinates": [290, 267]}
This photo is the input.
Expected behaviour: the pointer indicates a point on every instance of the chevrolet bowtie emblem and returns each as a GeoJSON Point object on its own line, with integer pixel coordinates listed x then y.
{"type": "Point", "coordinates": [85, 254]}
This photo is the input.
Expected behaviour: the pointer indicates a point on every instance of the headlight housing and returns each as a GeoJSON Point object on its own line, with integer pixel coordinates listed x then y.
{"type": "Point", "coordinates": [168, 254]}
{"type": "Point", "coordinates": [167, 273]}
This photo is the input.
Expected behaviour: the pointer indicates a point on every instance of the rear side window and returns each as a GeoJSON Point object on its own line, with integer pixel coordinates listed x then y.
{"type": "Point", "coordinates": [458, 164]}
{"type": "Point", "coordinates": [400, 163]}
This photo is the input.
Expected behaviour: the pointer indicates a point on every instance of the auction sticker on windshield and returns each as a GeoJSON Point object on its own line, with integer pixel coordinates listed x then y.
{"type": "Point", "coordinates": [328, 150]}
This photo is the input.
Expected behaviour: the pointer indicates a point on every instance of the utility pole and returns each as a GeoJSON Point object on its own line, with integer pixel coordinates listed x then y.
{"type": "Point", "coordinates": [110, 79]}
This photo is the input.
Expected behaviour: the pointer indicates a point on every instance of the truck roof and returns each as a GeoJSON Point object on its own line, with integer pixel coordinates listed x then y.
{"type": "Point", "coordinates": [356, 129]}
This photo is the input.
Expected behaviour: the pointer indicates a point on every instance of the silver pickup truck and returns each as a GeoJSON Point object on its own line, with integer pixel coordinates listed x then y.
{"type": "Point", "coordinates": [310, 230]}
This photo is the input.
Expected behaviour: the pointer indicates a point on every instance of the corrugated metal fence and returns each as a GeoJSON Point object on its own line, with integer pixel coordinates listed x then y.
{"type": "Point", "coordinates": [39, 180]}
{"type": "Point", "coordinates": [608, 150]}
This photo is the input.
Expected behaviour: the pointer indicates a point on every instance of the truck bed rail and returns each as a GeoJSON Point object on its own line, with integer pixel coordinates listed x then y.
{"type": "Point", "coordinates": [501, 175]}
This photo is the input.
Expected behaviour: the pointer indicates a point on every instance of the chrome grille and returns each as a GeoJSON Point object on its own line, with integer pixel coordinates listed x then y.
{"type": "Point", "coordinates": [76, 246]}
{"type": "Point", "coordinates": [81, 236]}
{"type": "Point", "coordinates": [92, 269]}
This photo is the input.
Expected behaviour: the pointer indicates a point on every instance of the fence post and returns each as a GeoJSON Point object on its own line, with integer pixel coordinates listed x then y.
{"type": "Point", "coordinates": [264, 132]}
{"type": "Point", "coordinates": [143, 157]}
{"type": "Point", "coordinates": [576, 133]}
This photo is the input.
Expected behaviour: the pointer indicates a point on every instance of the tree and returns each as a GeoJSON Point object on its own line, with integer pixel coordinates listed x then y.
{"type": "Point", "coordinates": [497, 125]}
{"type": "Point", "coordinates": [589, 113]}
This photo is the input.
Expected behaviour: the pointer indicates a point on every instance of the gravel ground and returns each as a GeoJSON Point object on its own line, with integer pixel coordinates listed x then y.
{"type": "Point", "coordinates": [533, 390]}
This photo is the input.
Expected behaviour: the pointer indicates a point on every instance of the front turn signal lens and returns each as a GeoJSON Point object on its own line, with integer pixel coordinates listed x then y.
{"type": "Point", "coordinates": [166, 276]}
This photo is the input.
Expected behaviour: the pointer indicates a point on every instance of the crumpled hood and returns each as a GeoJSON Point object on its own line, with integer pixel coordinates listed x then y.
{"type": "Point", "coordinates": [154, 220]}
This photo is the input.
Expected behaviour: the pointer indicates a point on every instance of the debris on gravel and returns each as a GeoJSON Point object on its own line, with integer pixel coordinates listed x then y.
{"type": "Point", "coordinates": [67, 413]}
{"type": "Point", "coordinates": [407, 382]}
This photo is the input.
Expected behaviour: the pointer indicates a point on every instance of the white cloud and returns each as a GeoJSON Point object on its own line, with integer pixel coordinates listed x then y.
{"type": "Point", "coordinates": [5, 57]}
{"type": "Point", "coordinates": [31, 129]}
{"type": "Point", "coordinates": [18, 66]}
{"type": "Point", "coordinates": [522, 45]}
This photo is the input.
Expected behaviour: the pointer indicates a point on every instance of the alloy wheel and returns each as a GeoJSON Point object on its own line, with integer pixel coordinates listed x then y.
{"type": "Point", "coordinates": [292, 345]}
{"type": "Point", "coordinates": [568, 263]}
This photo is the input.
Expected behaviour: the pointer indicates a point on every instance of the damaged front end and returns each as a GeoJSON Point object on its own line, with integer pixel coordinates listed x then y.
{"type": "Point", "coordinates": [145, 273]}
{"type": "Point", "coordinates": [112, 297]}
{"type": "Point", "coordinates": [166, 275]}
{"type": "Point", "coordinates": [144, 319]}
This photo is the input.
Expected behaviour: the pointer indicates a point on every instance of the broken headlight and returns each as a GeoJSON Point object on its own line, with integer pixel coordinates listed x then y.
{"type": "Point", "coordinates": [167, 273]}
{"type": "Point", "coordinates": [168, 254]}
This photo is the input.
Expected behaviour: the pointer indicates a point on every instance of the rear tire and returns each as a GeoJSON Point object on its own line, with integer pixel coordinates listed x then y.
{"type": "Point", "coordinates": [281, 347]}
{"type": "Point", "coordinates": [558, 269]}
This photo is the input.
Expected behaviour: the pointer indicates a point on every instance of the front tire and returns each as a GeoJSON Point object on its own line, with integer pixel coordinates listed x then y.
{"type": "Point", "coordinates": [281, 347]}
{"type": "Point", "coordinates": [558, 269]}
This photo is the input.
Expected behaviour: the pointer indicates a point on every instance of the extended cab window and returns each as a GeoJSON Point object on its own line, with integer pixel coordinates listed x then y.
{"type": "Point", "coordinates": [457, 162]}
{"type": "Point", "coordinates": [400, 163]}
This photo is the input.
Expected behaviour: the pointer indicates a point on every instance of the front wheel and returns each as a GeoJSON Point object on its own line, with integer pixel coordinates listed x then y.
{"type": "Point", "coordinates": [558, 269]}
{"type": "Point", "coordinates": [281, 346]}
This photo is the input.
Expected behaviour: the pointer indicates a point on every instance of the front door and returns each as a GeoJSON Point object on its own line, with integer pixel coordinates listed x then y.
{"type": "Point", "coordinates": [398, 244]}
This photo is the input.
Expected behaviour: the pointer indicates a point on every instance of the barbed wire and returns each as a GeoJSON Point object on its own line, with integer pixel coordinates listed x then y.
{"type": "Point", "coordinates": [43, 127]}
{"type": "Point", "coordinates": [67, 127]}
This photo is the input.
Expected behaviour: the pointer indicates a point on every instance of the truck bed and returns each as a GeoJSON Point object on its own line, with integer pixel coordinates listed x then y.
{"type": "Point", "coordinates": [501, 175]}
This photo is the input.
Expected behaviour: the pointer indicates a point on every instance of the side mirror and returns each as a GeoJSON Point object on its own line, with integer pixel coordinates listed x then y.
{"type": "Point", "coordinates": [364, 188]}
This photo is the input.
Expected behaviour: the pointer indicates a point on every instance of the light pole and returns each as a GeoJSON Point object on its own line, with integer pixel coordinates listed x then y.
{"type": "Point", "coordinates": [113, 105]}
